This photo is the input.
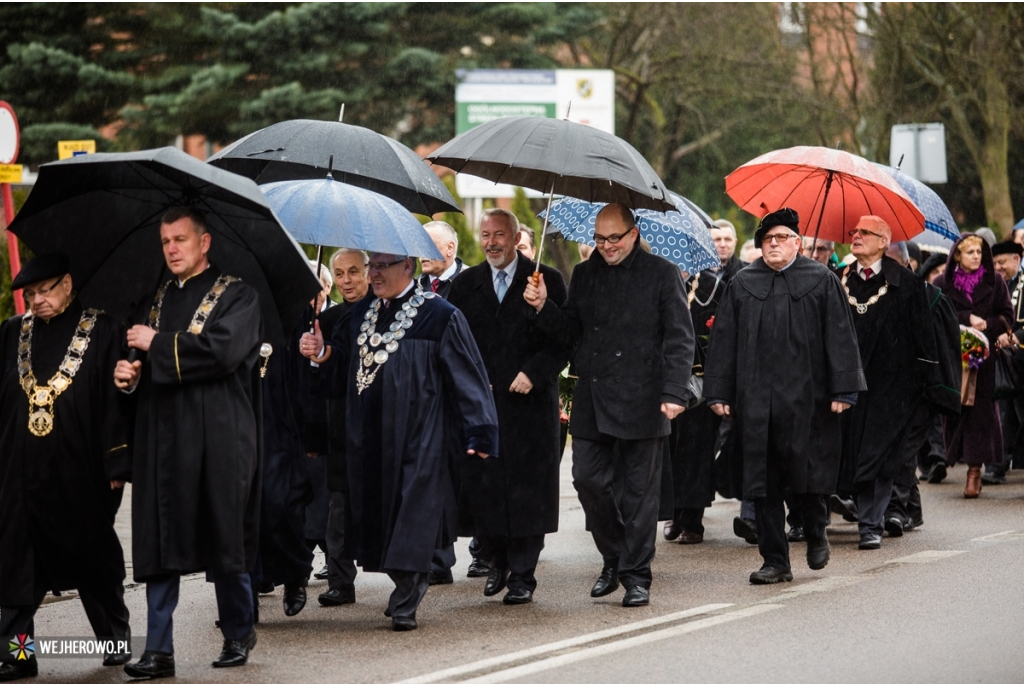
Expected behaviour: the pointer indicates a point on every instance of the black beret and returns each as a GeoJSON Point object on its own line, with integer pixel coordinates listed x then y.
{"type": "Point", "coordinates": [1007, 247]}
{"type": "Point", "coordinates": [782, 217]}
{"type": "Point", "coordinates": [914, 250]}
{"type": "Point", "coordinates": [42, 268]}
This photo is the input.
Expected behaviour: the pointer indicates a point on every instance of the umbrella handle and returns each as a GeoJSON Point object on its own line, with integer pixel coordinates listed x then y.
{"type": "Point", "coordinates": [543, 232]}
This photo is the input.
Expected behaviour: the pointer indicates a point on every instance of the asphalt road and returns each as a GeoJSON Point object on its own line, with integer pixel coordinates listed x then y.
{"type": "Point", "coordinates": [944, 603]}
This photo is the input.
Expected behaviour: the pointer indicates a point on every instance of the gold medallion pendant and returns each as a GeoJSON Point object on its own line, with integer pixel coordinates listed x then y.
{"type": "Point", "coordinates": [40, 422]}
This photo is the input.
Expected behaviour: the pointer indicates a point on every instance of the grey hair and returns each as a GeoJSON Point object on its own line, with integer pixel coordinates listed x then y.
{"type": "Point", "coordinates": [349, 250]}
{"type": "Point", "coordinates": [809, 240]}
{"type": "Point", "coordinates": [724, 224]}
{"type": "Point", "coordinates": [510, 218]}
{"type": "Point", "coordinates": [325, 273]}
{"type": "Point", "coordinates": [445, 228]}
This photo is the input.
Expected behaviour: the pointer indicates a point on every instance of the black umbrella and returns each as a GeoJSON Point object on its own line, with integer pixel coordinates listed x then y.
{"type": "Point", "coordinates": [556, 156]}
{"type": "Point", "coordinates": [103, 211]}
{"type": "Point", "coordinates": [302, 149]}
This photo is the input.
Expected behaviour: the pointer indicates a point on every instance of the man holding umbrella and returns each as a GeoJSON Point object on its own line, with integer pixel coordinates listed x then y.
{"type": "Point", "coordinates": [196, 481]}
{"type": "Point", "coordinates": [626, 314]}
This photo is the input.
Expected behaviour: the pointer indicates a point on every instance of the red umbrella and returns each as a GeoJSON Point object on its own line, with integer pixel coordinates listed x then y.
{"type": "Point", "coordinates": [830, 189]}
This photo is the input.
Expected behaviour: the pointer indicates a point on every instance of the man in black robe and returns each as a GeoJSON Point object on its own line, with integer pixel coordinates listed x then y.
{"type": "Point", "coordinates": [884, 431]}
{"type": "Point", "coordinates": [513, 501]}
{"type": "Point", "coordinates": [403, 360]}
{"type": "Point", "coordinates": [626, 315]}
{"type": "Point", "coordinates": [63, 461]}
{"type": "Point", "coordinates": [349, 270]}
{"type": "Point", "coordinates": [1006, 258]}
{"type": "Point", "coordinates": [195, 475]}
{"type": "Point", "coordinates": [783, 361]}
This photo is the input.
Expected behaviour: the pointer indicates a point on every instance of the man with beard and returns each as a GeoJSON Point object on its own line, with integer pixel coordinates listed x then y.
{"type": "Point", "coordinates": [883, 432]}
{"type": "Point", "coordinates": [403, 360]}
{"type": "Point", "coordinates": [195, 477]}
{"type": "Point", "coordinates": [63, 461]}
{"type": "Point", "coordinates": [513, 501]}
{"type": "Point", "coordinates": [783, 361]}
{"type": "Point", "coordinates": [626, 317]}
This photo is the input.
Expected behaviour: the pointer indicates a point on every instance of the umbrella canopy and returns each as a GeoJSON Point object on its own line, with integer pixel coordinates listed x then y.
{"type": "Point", "coordinates": [338, 215]}
{"type": "Point", "coordinates": [830, 189]}
{"type": "Point", "coordinates": [940, 229]}
{"type": "Point", "coordinates": [302, 149]}
{"type": "Point", "coordinates": [682, 236]}
{"type": "Point", "coordinates": [103, 211]}
{"type": "Point", "coordinates": [556, 156]}
{"type": "Point", "coordinates": [1019, 225]}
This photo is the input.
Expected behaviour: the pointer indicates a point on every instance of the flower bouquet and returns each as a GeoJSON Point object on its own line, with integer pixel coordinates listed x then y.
{"type": "Point", "coordinates": [974, 350]}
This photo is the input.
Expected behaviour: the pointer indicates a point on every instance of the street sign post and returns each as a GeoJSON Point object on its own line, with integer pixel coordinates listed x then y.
{"type": "Point", "coordinates": [72, 148]}
{"type": "Point", "coordinates": [10, 141]}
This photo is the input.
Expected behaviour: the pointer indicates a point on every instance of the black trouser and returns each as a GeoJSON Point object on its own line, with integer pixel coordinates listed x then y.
{"type": "Point", "coordinates": [905, 504]}
{"type": "Point", "coordinates": [235, 608]}
{"type": "Point", "coordinates": [518, 554]}
{"type": "Point", "coordinates": [103, 605]}
{"type": "Point", "coordinates": [409, 590]}
{"type": "Point", "coordinates": [934, 449]}
{"type": "Point", "coordinates": [872, 502]}
{"type": "Point", "coordinates": [771, 513]}
{"type": "Point", "coordinates": [691, 519]}
{"type": "Point", "coordinates": [1011, 413]}
{"type": "Point", "coordinates": [341, 571]}
{"type": "Point", "coordinates": [619, 485]}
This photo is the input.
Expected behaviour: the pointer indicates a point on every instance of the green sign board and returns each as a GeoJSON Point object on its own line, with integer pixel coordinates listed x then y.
{"type": "Point", "coordinates": [471, 114]}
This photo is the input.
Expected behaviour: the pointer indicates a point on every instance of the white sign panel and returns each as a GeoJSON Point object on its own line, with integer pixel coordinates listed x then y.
{"type": "Point", "coordinates": [8, 134]}
{"type": "Point", "coordinates": [922, 149]}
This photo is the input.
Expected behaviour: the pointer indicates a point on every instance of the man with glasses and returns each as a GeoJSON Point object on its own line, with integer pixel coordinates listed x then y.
{"type": "Point", "coordinates": [783, 361]}
{"type": "Point", "coordinates": [819, 250]}
{"type": "Point", "coordinates": [626, 317]}
{"type": "Point", "coordinates": [63, 461]}
{"type": "Point", "coordinates": [882, 434]}
{"type": "Point", "coordinates": [403, 359]}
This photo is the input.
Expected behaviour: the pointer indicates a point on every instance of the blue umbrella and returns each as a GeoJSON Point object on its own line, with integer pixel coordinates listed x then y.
{"type": "Point", "coordinates": [1018, 226]}
{"type": "Point", "coordinates": [682, 237]}
{"type": "Point", "coordinates": [940, 229]}
{"type": "Point", "coordinates": [340, 215]}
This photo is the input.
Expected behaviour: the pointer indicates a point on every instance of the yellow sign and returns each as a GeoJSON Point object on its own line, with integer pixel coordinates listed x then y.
{"type": "Point", "coordinates": [73, 148]}
{"type": "Point", "coordinates": [10, 173]}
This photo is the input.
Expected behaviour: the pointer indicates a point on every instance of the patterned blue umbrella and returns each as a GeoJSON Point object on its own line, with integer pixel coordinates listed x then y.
{"type": "Point", "coordinates": [333, 214]}
{"type": "Point", "coordinates": [683, 237]}
{"type": "Point", "coordinates": [940, 229]}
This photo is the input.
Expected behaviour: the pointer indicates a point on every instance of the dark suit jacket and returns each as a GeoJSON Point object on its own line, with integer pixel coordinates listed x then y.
{"type": "Point", "coordinates": [446, 286]}
{"type": "Point", "coordinates": [634, 344]}
{"type": "Point", "coordinates": [516, 494]}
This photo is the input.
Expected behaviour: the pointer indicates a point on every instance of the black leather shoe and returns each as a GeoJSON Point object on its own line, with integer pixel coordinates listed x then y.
{"type": "Point", "coordinates": [16, 670]}
{"type": "Point", "coordinates": [266, 587]}
{"type": "Point", "coordinates": [846, 508]}
{"type": "Point", "coordinates": [636, 596]}
{"type": "Point", "coordinates": [672, 530]}
{"type": "Point", "coordinates": [496, 581]}
{"type": "Point", "coordinates": [321, 574]}
{"type": "Point", "coordinates": [818, 553]}
{"type": "Point", "coordinates": [440, 578]}
{"type": "Point", "coordinates": [746, 529]}
{"type": "Point", "coordinates": [335, 598]}
{"type": "Point", "coordinates": [517, 595]}
{"type": "Point", "coordinates": [235, 652]}
{"type": "Point", "coordinates": [607, 583]}
{"type": "Point", "coordinates": [401, 624]}
{"type": "Point", "coordinates": [894, 527]}
{"type": "Point", "coordinates": [915, 523]}
{"type": "Point", "coordinates": [151, 665]}
{"type": "Point", "coordinates": [117, 659]}
{"type": "Point", "coordinates": [768, 575]}
{"type": "Point", "coordinates": [294, 598]}
{"type": "Point", "coordinates": [992, 479]}
{"type": "Point", "coordinates": [870, 541]}
{"type": "Point", "coordinates": [478, 569]}
{"type": "Point", "coordinates": [796, 534]}
{"type": "Point", "coordinates": [937, 473]}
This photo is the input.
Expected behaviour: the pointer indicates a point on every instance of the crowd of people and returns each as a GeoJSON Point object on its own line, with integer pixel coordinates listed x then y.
{"type": "Point", "coordinates": [428, 404]}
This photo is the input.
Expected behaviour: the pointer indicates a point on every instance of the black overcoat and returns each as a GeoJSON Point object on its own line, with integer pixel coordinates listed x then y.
{"type": "Point", "coordinates": [782, 348]}
{"type": "Point", "coordinates": [397, 473]}
{"type": "Point", "coordinates": [516, 495]}
{"type": "Point", "coordinates": [56, 506]}
{"type": "Point", "coordinates": [445, 286]}
{"type": "Point", "coordinates": [975, 436]}
{"type": "Point", "coordinates": [634, 344]}
{"type": "Point", "coordinates": [195, 480]}
{"type": "Point", "coordinates": [898, 353]}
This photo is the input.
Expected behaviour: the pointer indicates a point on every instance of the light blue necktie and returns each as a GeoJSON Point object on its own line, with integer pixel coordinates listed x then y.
{"type": "Point", "coordinates": [502, 286]}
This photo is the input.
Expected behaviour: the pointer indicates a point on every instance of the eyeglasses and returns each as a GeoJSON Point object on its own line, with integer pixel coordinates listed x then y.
{"type": "Point", "coordinates": [779, 238]}
{"type": "Point", "coordinates": [613, 239]}
{"type": "Point", "coordinates": [43, 292]}
{"type": "Point", "coordinates": [381, 267]}
{"type": "Point", "coordinates": [863, 232]}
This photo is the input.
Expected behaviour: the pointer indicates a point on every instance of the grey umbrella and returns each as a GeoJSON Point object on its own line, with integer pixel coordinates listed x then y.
{"type": "Point", "coordinates": [302, 149]}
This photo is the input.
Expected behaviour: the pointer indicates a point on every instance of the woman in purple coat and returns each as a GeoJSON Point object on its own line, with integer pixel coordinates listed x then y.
{"type": "Point", "coordinates": [981, 301]}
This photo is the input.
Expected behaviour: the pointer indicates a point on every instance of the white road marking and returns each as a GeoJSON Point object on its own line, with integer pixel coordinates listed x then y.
{"type": "Point", "coordinates": [926, 557]}
{"type": "Point", "coordinates": [821, 585]}
{"type": "Point", "coordinates": [1005, 536]}
{"type": "Point", "coordinates": [619, 645]}
{"type": "Point", "coordinates": [449, 674]}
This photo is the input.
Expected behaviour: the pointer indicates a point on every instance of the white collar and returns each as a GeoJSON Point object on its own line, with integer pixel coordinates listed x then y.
{"type": "Point", "coordinates": [876, 268]}
{"type": "Point", "coordinates": [510, 271]}
{"type": "Point", "coordinates": [448, 273]}
{"type": "Point", "coordinates": [181, 283]}
{"type": "Point", "coordinates": [403, 293]}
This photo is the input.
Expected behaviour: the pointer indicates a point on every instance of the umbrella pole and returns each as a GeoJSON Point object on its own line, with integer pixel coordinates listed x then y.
{"type": "Point", "coordinates": [319, 256]}
{"type": "Point", "coordinates": [821, 214]}
{"type": "Point", "coordinates": [543, 232]}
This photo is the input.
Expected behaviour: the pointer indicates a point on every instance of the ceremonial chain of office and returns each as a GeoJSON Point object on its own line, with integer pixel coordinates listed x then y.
{"type": "Point", "coordinates": [202, 312]}
{"type": "Point", "coordinates": [862, 307]}
{"type": "Point", "coordinates": [42, 397]}
{"type": "Point", "coordinates": [370, 354]}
